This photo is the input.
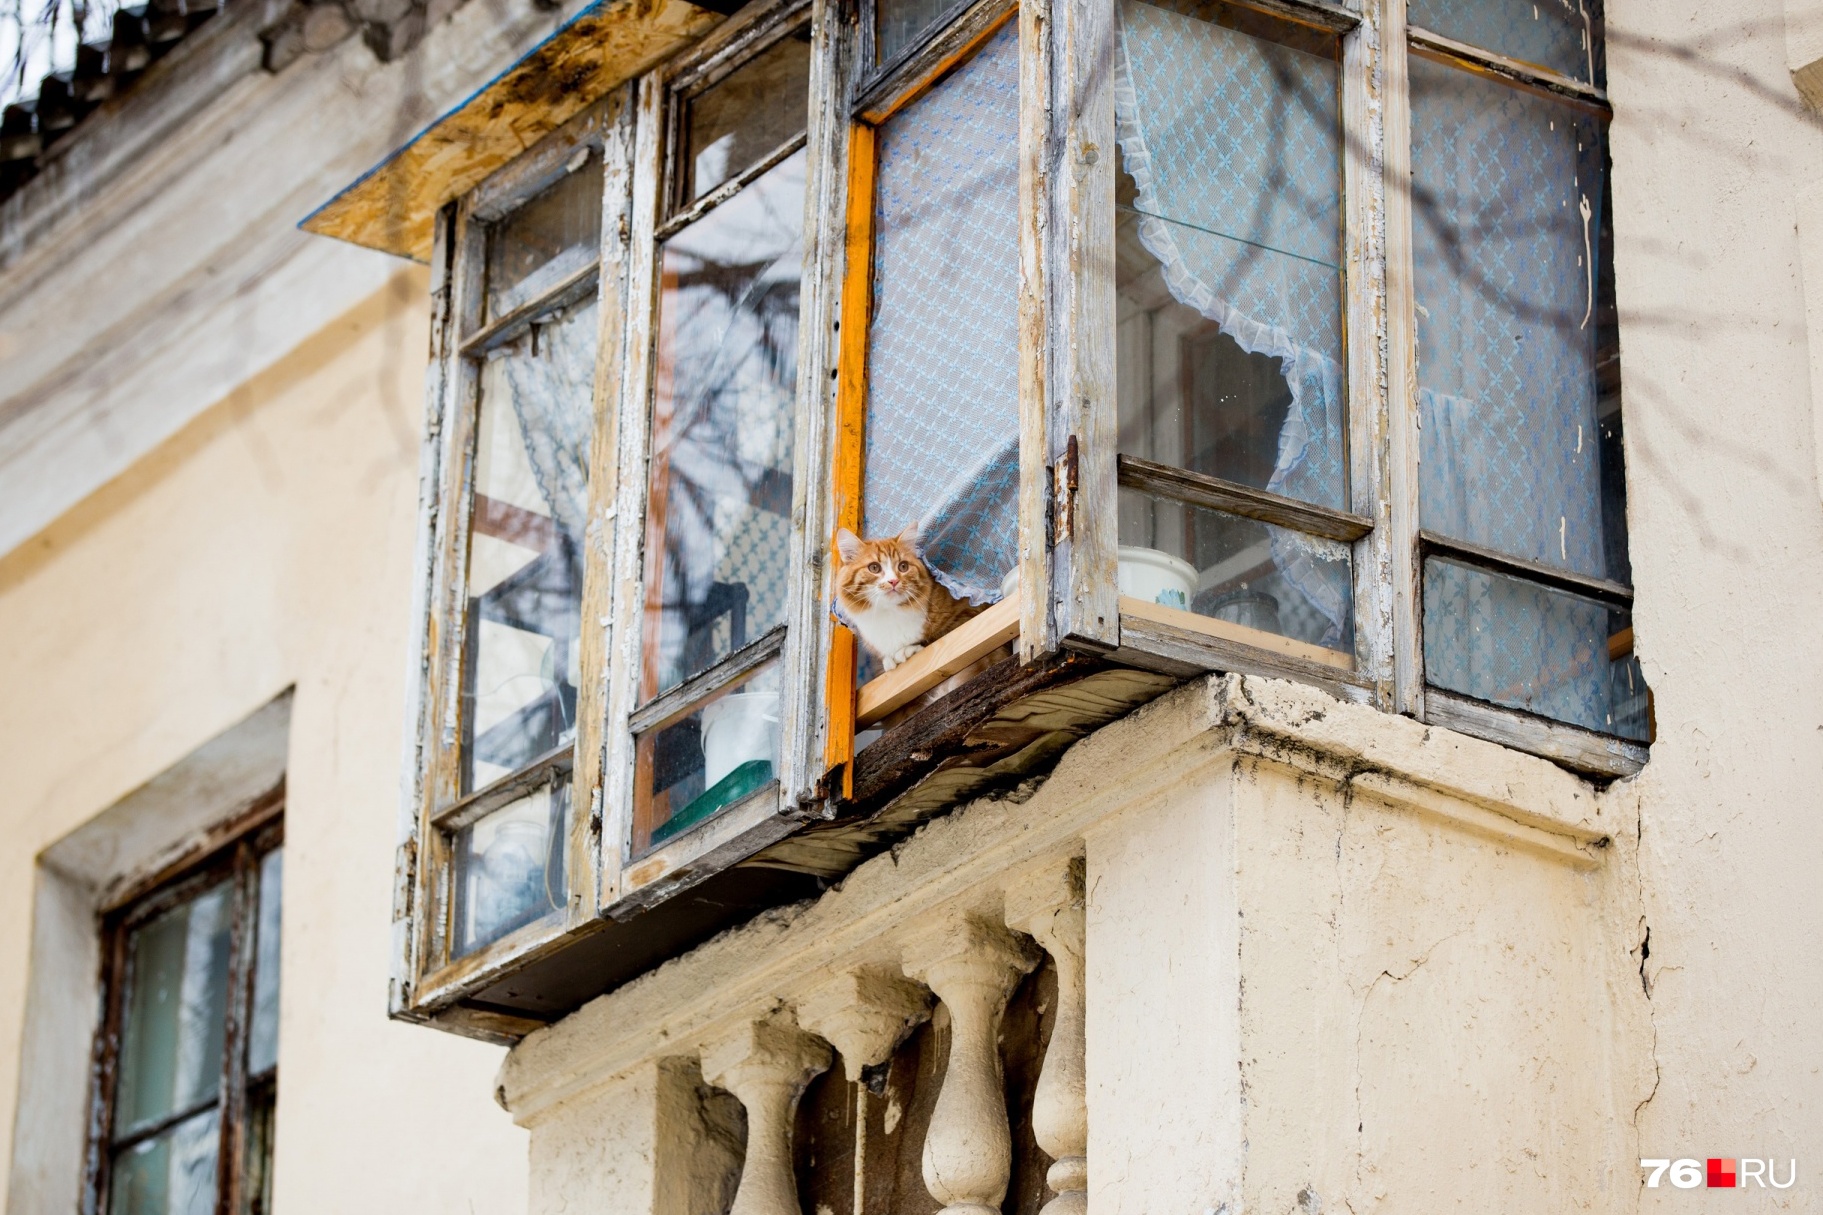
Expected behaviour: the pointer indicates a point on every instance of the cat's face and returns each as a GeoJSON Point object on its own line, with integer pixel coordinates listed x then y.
{"type": "Point", "coordinates": [881, 573]}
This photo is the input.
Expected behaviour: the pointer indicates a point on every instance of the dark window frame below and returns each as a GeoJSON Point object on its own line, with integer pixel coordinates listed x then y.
{"type": "Point", "coordinates": [232, 852]}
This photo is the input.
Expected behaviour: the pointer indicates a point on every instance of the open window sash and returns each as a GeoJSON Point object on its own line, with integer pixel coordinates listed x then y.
{"type": "Point", "coordinates": [939, 410]}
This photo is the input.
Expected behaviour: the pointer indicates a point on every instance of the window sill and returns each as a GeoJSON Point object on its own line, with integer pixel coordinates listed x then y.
{"type": "Point", "coordinates": [1600, 756]}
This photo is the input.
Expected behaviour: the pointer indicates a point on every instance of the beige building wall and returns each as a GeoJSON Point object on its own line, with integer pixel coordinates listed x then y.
{"type": "Point", "coordinates": [268, 544]}
{"type": "Point", "coordinates": [1718, 172]}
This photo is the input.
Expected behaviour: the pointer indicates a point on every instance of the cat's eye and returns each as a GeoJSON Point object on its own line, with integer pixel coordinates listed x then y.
{"type": "Point", "coordinates": [874, 566]}
{"type": "Point", "coordinates": [903, 566]}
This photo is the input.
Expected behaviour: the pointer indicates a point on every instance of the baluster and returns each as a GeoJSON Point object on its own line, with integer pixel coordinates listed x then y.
{"type": "Point", "coordinates": [767, 1064]}
{"type": "Point", "coordinates": [1048, 904]}
{"type": "Point", "coordinates": [973, 967]}
{"type": "Point", "coordinates": [865, 1015]}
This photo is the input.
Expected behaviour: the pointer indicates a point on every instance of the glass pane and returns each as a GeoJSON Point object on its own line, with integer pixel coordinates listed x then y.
{"type": "Point", "coordinates": [1529, 647]}
{"type": "Point", "coordinates": [509, 867]}
{"type": "Point", "coordinates": [261, 1125]}
{"type": "Point", "coordinates": [1228, 249]}
{"type": "Point", "coordinates": [172, 1022]}
{"type": "Point", "coordinates": [263, 1033]}
{"type": "Point", "coordinates": [1244, 572]}
{"type": "Point", "coordinates": [1563, 35]}
{"type": "Point", "coordinates": [749, 115]}
{"type": "Point", "coordinates": [1518, 352]}
{"type": "Point", "coordinates": [942, 428]}
{"type": "Point", "coordinates": [695, 766]}
{"type": "Point", "coordinates": [525, 547]}
{"type": "Point", "coordinates": [897, 23]}
{"type": "Point", "coordinates": [172, 1173]}
{"type": "Point", "coordinates": [719, 511]}
{"type": "Point", "coordinates": [546, 240]}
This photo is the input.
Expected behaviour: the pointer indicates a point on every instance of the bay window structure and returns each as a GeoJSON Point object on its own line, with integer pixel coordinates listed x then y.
{"type": "Point", "coordinates": [1270, 336]}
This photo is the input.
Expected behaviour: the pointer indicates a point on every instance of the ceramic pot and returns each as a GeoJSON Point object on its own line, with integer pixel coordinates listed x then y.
{"type": "Point", "coordinates": [1157, 577]}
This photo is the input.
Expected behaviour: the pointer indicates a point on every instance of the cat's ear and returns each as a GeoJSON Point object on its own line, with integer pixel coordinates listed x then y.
{"type": "Point", "coordinates": [913, 538]}
{"type": "Point", "coordinates": [848, 544]}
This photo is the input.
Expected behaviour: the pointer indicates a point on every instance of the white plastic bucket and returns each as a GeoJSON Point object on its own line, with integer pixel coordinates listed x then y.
{"type": "Point", "coordinates": [1156, 577]}
{"type": "Point", "coordinates": [738, 728]}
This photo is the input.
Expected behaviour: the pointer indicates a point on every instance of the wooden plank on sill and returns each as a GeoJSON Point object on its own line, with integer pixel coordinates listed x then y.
{"type": "Point", "coordinates": [1229, 631]}
{"type": "Point", "coordinates": [939, 660]}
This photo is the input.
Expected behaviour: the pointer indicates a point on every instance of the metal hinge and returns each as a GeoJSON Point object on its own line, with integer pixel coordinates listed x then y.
{"type": "Point", "coordinates": [1063, 488]}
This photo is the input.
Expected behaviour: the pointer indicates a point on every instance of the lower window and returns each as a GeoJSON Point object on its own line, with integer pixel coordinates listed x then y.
{"type": "Point", "coordinates": [187, 1061]}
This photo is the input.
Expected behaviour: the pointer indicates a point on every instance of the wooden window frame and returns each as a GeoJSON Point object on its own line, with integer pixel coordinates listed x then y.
{"type": "Point", "coordinates": [1380, 377]}
{"type": "Point", "coordinates": [429, 982]}
{"type": "Point", "coordinates": [1066, 613]}
{"type": "Point", "coordinates": [882, 92]}
{"type": "Point", "coordinates": [630, 883]}
{"type": "Point", "coordinates": [1602, 756]}
{"type": "Point", "coordinates": [231, 853]}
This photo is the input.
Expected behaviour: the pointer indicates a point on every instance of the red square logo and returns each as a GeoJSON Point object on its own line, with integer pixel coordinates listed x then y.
{"type": "Point", "coordinates": [1721, 1174]}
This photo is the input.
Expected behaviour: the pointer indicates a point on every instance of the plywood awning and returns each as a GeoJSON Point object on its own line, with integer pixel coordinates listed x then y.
{"type": "Point", "coordinates": [392, 207]}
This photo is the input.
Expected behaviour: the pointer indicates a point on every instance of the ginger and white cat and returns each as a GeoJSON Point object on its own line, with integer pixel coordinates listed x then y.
{"type": "Point", "coordinates": [890, 597]}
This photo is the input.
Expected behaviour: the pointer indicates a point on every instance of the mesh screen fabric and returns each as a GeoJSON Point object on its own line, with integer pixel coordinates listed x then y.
{"type": "Point", "coordinates": [552, 394]}
{"type": "Point", "coordinates": [1507, 195]}
{"type": "Point", "coordinates": [1563, 35]}
{"type": "Point", "coordinates": [1508, 189]}
{"type": "Point", "coordinates": [942, 429]}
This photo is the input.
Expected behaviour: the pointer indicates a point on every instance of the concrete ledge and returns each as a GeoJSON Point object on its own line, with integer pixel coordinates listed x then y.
{"type": "Point", "coordinates": [966, 858]}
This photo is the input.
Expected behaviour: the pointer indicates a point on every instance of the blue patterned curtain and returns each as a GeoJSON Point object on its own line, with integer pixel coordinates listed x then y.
{"type": "Point", "coordinates": [1507, 200]}
{"type": "Point", "coordinates": [552, 395]}
{"type": "Point", "coordinates": [943, 365]}
{"type": "Point", "coordinates": [1235, 145]}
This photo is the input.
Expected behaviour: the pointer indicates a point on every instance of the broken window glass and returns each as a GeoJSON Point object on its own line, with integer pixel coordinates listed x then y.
{"type": "Point", "coordinates": [531, 479]}
{"type": "Point", "coordinates": [1228, 248]}
{"type": "Point", "coordinates": [942, 423]}
{"type": "Point", "coordinates": [549, 239]}
{"type": "Point", "coordinates": [719, 503]}
{"type": "Point", "coordinates": [1562, 35]}
{"type": "Point", "coordinates": [754, 111]}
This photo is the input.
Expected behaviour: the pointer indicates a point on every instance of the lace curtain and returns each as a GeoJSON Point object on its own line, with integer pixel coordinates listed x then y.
{"type": "Point", "coordinates": [1234, 145]}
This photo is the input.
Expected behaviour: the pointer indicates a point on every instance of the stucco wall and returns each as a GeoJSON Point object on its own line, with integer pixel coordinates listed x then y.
{"type": "Point", "coordinates": [267, 544]}
{"type": "Point", "coordinates": [1717, 168]}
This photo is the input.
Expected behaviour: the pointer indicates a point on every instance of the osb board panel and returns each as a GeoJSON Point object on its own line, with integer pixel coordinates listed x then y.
{"type": "Point", "coordinates": [392, 208]}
